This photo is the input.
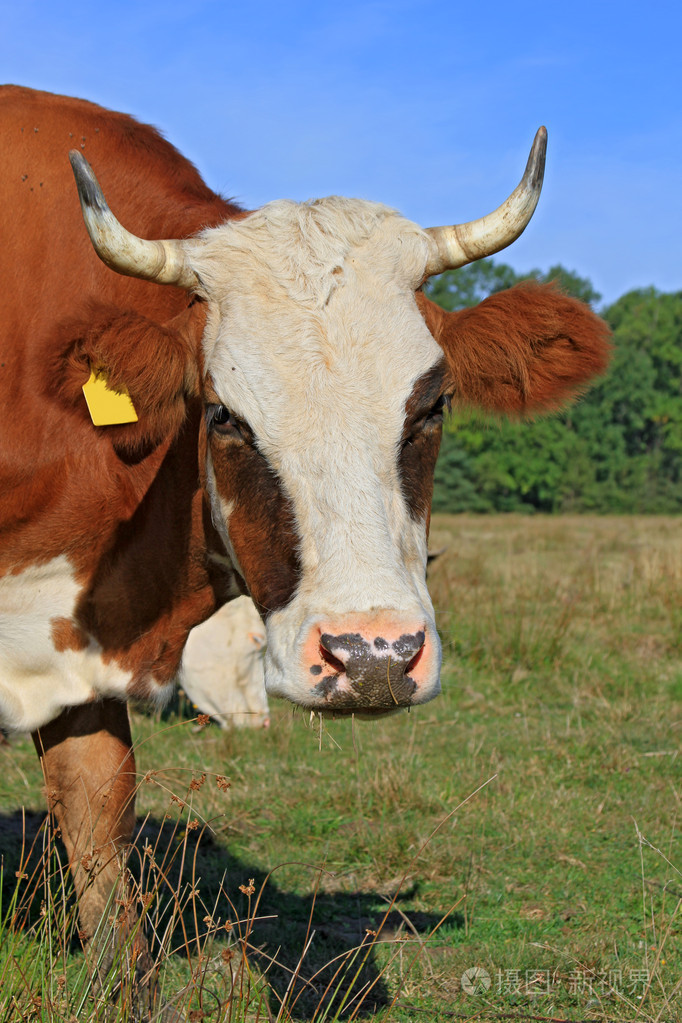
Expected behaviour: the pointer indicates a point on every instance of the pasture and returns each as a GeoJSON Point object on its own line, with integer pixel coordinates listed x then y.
{"type": "Point", "coordinates": [510, 850]}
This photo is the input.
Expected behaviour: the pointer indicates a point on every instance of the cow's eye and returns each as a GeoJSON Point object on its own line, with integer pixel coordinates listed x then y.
{"type": "Point", "coordinates": [433, 419]}
{"type": "Point", "coordinates": [436, 414]}
{"type": "Point", "coordinates": [223, 422]}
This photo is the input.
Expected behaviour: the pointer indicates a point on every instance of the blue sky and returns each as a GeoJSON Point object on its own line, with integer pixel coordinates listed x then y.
{"type": "Point", "coordinates": [428, 107]}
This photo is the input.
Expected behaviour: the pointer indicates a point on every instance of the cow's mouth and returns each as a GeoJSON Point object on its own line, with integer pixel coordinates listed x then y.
{"type": "Point", "coordinates": [335, 696]}
{"type": "Point", "coordinates": [371, 691]}
{"type": "Point", "coordinates": [363, 713]}
{"type": "Point", "coordinates": [330, 713]}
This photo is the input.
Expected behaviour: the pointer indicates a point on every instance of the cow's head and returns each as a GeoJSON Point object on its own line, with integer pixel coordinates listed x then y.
{"type": "Point", "coordinates": [326, 377]}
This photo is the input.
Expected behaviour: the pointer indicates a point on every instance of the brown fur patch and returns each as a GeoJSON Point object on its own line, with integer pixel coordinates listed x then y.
{"type": "Point", "coordinates": [150, 585]}
{"type": "Point", "coordinates": [123, 504]}
{"type": "Point", "coordinates": [153, 362]}
{"type": "Point", "coordinates": [67, 636]}
{"type": "Point", "coordinates": [421, 443]}
{"type": "Point", "coordinates": [65, 486]}
{"type": "Point", "coordinates": [262, 526]}
{"type": "Point", "coordinates": [521, 351]}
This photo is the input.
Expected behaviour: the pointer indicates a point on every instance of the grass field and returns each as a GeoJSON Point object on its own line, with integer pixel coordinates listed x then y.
{"type": "Point", "coordinates": [514, 844]}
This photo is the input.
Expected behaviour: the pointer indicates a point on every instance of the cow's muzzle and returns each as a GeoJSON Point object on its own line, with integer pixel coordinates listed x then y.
{"type": "Point", "coordinates": [370, 665]}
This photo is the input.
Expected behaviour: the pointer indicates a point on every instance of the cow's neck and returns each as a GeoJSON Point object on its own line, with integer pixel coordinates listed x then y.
{"type": "Point", "coordinates": [154, 583]}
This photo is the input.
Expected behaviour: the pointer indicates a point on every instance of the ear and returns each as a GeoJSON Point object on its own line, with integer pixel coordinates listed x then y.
{"type": "Point", "coordinates": [158, 365]}
{"type": "Point", "coordinates": [525, 350]}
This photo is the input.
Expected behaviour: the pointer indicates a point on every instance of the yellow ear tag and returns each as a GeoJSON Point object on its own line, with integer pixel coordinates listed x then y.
{"type": "Point", "coordinates": [107, 407]}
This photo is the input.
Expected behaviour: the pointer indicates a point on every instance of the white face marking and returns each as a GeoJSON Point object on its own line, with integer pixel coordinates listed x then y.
{"type": "Point", "coordinates": [314, 339]}
{"type": "Point", "coordinates": [221, 511]}
{"type": "Point", "coordinates": [36, 681]}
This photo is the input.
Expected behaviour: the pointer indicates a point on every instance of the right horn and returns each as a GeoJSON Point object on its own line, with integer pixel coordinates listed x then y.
{"type": "Point", "coordinates": [160, 261]}
{"type": "Point", "coordinates": [464, 243]}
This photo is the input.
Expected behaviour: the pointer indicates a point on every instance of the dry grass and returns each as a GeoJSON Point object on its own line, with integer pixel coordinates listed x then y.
{"type": "Point", "coordinates": [528, 582]}
{"type": "Point", "coordinates": [563, 681]}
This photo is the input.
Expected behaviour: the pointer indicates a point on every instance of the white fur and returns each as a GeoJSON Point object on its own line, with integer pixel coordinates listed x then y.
{"type": "Point", "coordinates": [36, 681]}
{"type": "Point", "coordinates": [314, 338]}
{"type": "Point", "coordinates": [222, 668]}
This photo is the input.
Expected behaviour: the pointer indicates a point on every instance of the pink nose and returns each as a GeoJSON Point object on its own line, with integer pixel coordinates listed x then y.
{"type": "Point", "coordinates": [375, 664]}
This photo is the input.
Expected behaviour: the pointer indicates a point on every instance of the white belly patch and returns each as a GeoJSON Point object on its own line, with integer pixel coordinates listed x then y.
{"type": "Point", "coordinates": [36, 680]}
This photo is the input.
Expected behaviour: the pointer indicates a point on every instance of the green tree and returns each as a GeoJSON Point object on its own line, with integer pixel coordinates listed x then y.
{"type": "Point", "coordinates": [466, 287]}
{"type": "Point", "coordinates": [570, 282]}
{"type": "Point", "coordinates": [489, 465]}
{"type": "Point", "coordinates": [618, 449]}
{"type": "Point", "coordinates": [632, 418]}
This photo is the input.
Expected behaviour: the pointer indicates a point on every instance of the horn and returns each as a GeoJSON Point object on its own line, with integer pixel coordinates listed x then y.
{"type": "Point", "coordinates": [160, 261]}
{"type": "Point", "coordinates": [464, 243]}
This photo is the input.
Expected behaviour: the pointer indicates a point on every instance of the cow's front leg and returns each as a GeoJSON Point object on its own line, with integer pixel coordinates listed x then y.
{"type": "Point", "coordinates": [89, 770]}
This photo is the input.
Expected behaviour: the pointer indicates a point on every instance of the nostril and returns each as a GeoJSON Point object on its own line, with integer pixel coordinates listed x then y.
{"type": "Point", "coordinates": [328, 658]}
{"type": "Point", "coordinates": [411, 665]}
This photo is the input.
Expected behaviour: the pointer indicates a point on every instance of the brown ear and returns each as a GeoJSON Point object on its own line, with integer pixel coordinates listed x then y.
{"type": "Point", "coordinates": [521, 351]}
{"type": "Point", "coordinates": [157, 364]}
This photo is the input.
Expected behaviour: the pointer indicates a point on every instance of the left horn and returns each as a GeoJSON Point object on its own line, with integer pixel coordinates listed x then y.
{"type": "Point", "coordinates": [464, 243]}
{"type": "Point", "coordinates": [160, 261]}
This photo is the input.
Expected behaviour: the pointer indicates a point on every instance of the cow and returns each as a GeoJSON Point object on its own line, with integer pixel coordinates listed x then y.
{"type": "Point", "coordinates": [224, 402]}
{"type": "Point", "coordinates": [222, 667]}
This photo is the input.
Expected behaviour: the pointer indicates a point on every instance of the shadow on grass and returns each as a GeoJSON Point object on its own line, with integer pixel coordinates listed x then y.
{"type": "Point", "coordinates": [203, 878]}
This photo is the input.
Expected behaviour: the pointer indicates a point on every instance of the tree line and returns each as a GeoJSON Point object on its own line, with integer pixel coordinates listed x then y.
{"type": "Point", "coordinates": [619, 449]}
